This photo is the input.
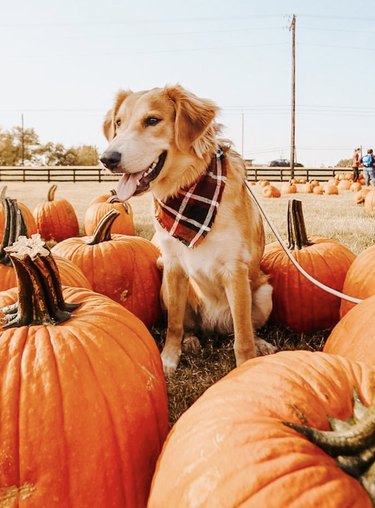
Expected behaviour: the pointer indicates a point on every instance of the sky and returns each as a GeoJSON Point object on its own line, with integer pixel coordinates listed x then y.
{"type": "Point", "coordinates": [62, 63]}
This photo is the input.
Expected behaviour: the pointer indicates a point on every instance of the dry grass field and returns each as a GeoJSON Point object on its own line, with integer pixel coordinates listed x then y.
{"type": "Point", "coordinates": [329, 216]}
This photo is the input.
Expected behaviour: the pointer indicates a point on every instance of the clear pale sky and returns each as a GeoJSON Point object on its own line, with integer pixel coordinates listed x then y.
{"type": "Point", "coordinates": [63, 61]}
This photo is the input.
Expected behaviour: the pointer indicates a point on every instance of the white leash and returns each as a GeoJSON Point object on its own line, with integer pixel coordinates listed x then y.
{"type": "Point", "coordinates": [293, 260]}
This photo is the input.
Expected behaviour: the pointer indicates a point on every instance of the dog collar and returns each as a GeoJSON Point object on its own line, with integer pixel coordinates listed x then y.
{"type": "Point", "coordinates": [190, 214]}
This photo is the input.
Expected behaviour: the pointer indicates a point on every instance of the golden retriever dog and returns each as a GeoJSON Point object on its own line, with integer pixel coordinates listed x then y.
{"type": "Point", "coordinates": [209, 228]}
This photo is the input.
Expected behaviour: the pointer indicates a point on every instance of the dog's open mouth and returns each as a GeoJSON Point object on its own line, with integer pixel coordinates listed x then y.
{"type": "Point", "coordinates": [132, 184]}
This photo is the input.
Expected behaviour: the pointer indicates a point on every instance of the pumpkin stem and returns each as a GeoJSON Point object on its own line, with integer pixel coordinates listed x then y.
{"type": "Point", "coordinates": [40, 298]}
{"type": "Point", "coordinates": [15, 226]}
{"type": "Point", "coordinates": [3, 191]}
{"type": "Point", "coordinates": [115, 199]}
{"type": "Point", "coordinates": [102, 231]}
{"type": "Point", "coordinates": [51, 193]}
{"type": "Point", "coordinates": [351, 443]}
{"type": "Point", "coordinates": [297, 236]}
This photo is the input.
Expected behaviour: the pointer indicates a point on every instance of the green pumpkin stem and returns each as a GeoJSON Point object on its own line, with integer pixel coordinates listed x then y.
{"type": "Point", "coordinates": [297, 236]}
{"type": "Point", "coordinates": [15, 226]}
{"type": "Point", "coordinates": [51, 193]}
{"type": "Point", "coordinates": [40, 297]}
{"type": "Point", "coordinates": [102, 231]}
{"type": "Point", "coordinates": [351, 443]}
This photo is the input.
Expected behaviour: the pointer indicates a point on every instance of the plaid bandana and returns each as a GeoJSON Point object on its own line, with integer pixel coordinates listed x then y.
{"type": "Point", "coordinates": [189, 215]}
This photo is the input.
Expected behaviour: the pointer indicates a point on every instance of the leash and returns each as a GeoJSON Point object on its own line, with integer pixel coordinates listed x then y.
{"type": "Point", "coordinates": [293, 260]}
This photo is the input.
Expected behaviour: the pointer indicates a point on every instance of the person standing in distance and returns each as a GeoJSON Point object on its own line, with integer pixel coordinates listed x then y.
{"type": "Point", "coordinates": [356, 163]}
{"type": "Point", "coordinates": [368, 162]}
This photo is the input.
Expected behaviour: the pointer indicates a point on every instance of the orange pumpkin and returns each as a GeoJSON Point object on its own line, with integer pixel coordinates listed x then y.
{"type": "Point", "coordinates": [353, 336]}
{"type": "Point", "coordinates": [315, 183]}
{"type": "Point", "coordinates": [330, 189]}
{"type": "Point", "coordinates": [288, 188]}
{"type": "Point", "coordinates": [87, 394]}
{"type": "Point", "coordinates": [360, 279]}
{"type": "Point", "coordinates": [270, 191]}
{"type": "Point", "coordinates": [103, 197]}
{"type": "Point", "coordinates": [307, 188]}
{"type": "Point", "coordinates": [359, 197]}
{"type": "Point", "coordinates": [355, 187]}
{"type": "Point", "coordinates": [297, 303]}
{"type": "Point", "coordinates": [318, 189]}
{"type": "Point", "coordinates": [119, 266]}
{"type": "Point", "coordinates": [344, 185]}
{"type": "Point", "coordinates": [231, 447]}
{"type": "Point", "coordinates": [370, 201]}
{"type": "Point", "coordinates": [56, 219]}
{"type": "Point", "coordinates": [123, 224]}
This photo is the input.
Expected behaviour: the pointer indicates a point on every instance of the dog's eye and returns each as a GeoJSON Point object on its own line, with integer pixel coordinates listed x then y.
{"type": "Point", "coordinates": [151, 120]}
{"type": "Point", "coordinates": [118, 123]}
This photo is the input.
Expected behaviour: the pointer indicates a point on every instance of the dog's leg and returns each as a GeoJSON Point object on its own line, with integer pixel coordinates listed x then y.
{"type": "Point", "coordinates": [239, 296]}
{"type": "Point", "coordinates": [175, 291]}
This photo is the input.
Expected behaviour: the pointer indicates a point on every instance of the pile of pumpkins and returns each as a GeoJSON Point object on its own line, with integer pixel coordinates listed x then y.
{"type": "Point", "coordinates": [341, 182]}
{"type": "Point", "coordinates": [84, 404]}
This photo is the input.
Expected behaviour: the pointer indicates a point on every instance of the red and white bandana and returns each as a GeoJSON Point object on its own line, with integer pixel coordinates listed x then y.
{"type": "Point", "coordinates": [189, 215]}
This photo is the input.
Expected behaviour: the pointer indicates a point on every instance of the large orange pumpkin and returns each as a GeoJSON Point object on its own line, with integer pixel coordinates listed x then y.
{"type": "Point", "coordinates": [83, 399]}
{"type": "Point", "coordinates": [231, 447]}
{"type": "Point", "coordinates": [353, 336]}
{"type": "Point", "coordinates": [360, 279]}
{"type": "Point", "coordinates": [56, 219]}
{"type": "Point", "coordinates": [123, 224]}
{"type": "Point", "coordinates": [297, 303]}
{"type": "Point", "coordinates": [119, 266]}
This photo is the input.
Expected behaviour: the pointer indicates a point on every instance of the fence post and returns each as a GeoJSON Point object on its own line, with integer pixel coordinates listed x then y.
{"type": "Point", "coordinates": [100, 174]}
{"type": "Point", "coordinates": [74, 175]}
{"type": "Point", "coordinates": [49, 174]}
{"type": "Point", "coordinates": [23, 174]}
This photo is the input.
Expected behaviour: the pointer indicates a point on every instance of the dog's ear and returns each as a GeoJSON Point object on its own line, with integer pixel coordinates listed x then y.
{"type": "Point", "coordinates": [193, 116]}
{"type": "Point", "coordinates": [109, 119]}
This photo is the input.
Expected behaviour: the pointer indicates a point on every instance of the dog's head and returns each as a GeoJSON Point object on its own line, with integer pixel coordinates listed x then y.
{"type": "Point", "coordinates": [151, 133]}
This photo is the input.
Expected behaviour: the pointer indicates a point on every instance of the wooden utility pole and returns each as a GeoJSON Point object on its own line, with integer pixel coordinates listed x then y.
{"type": "Point", "coordinates": [292, 29]}
{"type": "Point", "coordinates": [22, 142]}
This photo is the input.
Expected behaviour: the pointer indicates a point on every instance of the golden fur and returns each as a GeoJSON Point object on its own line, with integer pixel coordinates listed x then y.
{"type": "Point", "coordinates": [227, 291]}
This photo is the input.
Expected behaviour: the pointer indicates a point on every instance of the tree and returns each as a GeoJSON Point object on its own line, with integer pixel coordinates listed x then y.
{"type": "Point", "coordinates": [23, 146]}
{"type": "Point", "coordinates": [344, 163]}
{"type": "Point", "coordinates": [17, 146]}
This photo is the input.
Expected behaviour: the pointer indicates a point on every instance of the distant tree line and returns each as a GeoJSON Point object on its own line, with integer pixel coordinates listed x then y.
{"type": "Point", "coordinates": [19, 146]}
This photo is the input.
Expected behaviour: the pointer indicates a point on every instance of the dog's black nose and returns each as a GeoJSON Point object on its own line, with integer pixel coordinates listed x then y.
{"type": "Point", "coordinates": [110, 159]}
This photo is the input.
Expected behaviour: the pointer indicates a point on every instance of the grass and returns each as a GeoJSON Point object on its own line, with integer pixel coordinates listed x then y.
{"type": "Point", "coordinates": [329, 216]}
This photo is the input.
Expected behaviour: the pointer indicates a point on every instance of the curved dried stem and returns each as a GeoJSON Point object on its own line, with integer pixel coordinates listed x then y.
{"type": "Point", "coordinates": [102, 232]}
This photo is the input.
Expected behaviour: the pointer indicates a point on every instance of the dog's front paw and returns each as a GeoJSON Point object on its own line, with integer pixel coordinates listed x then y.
{"type": "Point", "coordinates": [191, 344]}
{"type": "Point", "coordinates": [264, 348]}
{"type": "Point", "coordinates": [170, 361]}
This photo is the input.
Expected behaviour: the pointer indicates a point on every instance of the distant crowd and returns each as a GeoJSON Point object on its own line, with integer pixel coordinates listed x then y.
{"type": "Point", "coordinates": [367, 163]}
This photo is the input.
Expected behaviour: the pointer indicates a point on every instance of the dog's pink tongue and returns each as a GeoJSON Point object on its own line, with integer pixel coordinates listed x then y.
{"type": "Point", "coordinates": [127, 185]}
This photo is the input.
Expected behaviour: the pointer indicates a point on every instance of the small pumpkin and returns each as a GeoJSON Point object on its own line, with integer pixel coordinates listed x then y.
{"type": "Point", "coordinates": [359, 197]}
{"type": "Point", "coordinates": [318, 189]}
{"type": "Point", "coordinates": [119, 266]}
{"type": "Point", "coordinates": [369, 203]}
{"type": "Point", "coordinates": [123, 224]}
{"type": "Point", "coordinates": [270, 191]}
{"type": "Point", "coordinates": [55, 218]}
{"type": "Point", "coordinates": [307, 188]}
{"type": "Point", "coordinates": [297, 303]}
{"type": "Point", "coordinates": [315, 183]}
{"type": "Point", "coordinates": [288, 188]}
{"type": "Point", "coordinates": [232, 448]}
{"type": "Point", "coordinates": [344, 185]}
{"type": "Point", "coordinates": [330, 189]}
{"type": "Point", "coordinates": [77, 393]}
{"type": "Point", "coordinates": [353, 336]}
{"type": "Point", "coordinates": [355, 187]}
{"type": "Point", "coordinates": [103, 197]}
